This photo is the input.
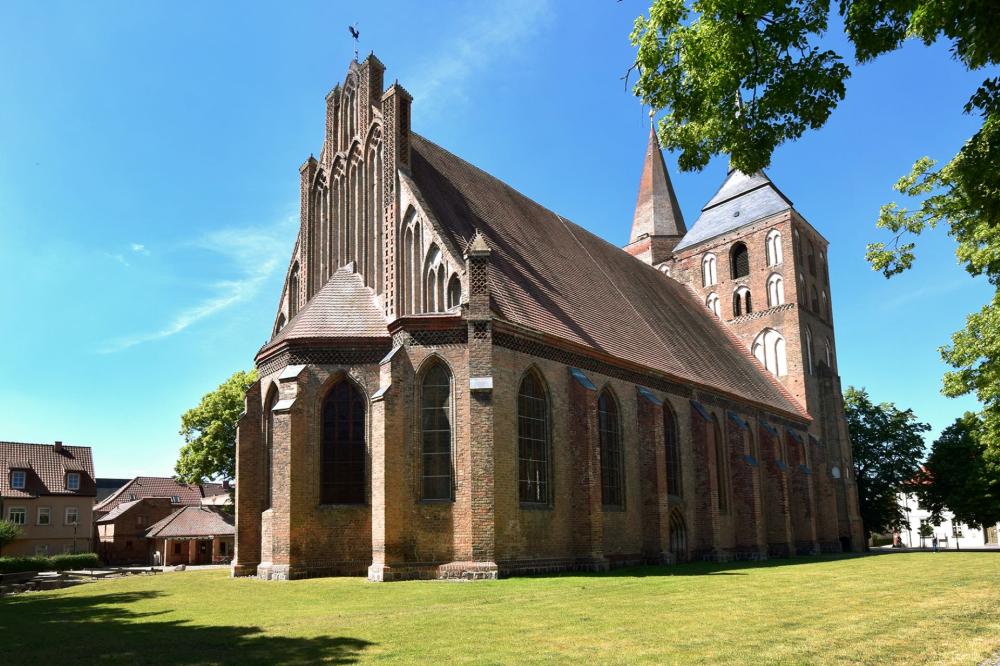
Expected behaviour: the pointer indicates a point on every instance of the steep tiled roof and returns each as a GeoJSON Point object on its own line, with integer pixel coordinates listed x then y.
{"type": "Point", "coordinates": [46, 469]}
{"type": "Point", "coordinates": [155, 486]}
{"type": "Point", "coordinates": [554, 277]}
{"type": "Point", "coordinates": [193, 521]}
{"type": "Point", "coordinates": [657, 212]}
{"type": "Point", "coordinates": [117, 511]}
{"type": "Point", "coordinates": [740, 201]}
{"type": "Point", "coordinates": [344, 307]}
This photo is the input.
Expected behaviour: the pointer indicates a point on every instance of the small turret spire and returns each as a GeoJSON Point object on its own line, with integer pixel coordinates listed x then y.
{"type": "Point", "coordinates": [657, 212]}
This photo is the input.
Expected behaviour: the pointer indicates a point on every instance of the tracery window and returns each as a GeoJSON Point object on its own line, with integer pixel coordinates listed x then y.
{"type": "Point", "coordinates": [713, 304]}
{"type": "Point", "coordinates": [342, 449]}
{"type": "Point", "coordinates": [293, 291]}
{"type": "Point", "coordinates": [433, 281]}
{"type": "Point", "coordinates": [739, 261]}
{"type": "Point", "coordinates": [435, 427]}
{"type": "Point", "coordinates": [769, 348]}
{"type": "Point", "coordinates": [772, 246]}
{"type": "Point", "coordinates": [269, 403]}
{"type": "Point", "coordinates": [775, 291]}
{"type": "Point", "coordinates": [533, 441]}
{"type": "Point", "coordinates": [673, 452]}
{"type": "Point", "coordinates": [454, 291]}
{"type": "Point", "coordinates": [609, 434]}
{"type": "Point", "coordinates": [708, 270]}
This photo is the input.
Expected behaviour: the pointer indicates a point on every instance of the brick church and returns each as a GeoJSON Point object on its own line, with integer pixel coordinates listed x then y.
{"type": "Point", "coordinates": [461, 383]}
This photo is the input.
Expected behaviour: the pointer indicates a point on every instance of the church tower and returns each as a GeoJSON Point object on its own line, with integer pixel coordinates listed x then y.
{"type": "Point", "coordinates": [658, 224]}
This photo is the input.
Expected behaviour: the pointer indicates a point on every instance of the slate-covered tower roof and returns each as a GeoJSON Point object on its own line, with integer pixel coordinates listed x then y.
{"type": "Point", "coordinates": [658, 223]}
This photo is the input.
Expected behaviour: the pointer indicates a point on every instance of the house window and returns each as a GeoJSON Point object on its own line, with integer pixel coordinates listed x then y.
{"type": "Point", "coordinates": [140, 520]}
{"type": "Point", "coordinates": [713, 304]}
{"type": "Point", "coordinates": [533, 441]}
{"type": "Point", "coordinates": [17, 515]}
{"type": "Point", "coordinates": [73, 481]}
{"type": "Point", "coordinates": [132, 497]}
{"type": "Point", "coordinates": [17, 479]}
{"type": "Point", "coordinates": [739, 261]}
{"type": "Point", "coordinates": [177, 548]}
{"type": "Point", "coordinates": [708, 270]}
{"type": "Point", "coordinates": [72, 515]}
{"type": "Point", "coordinates": [44, 515]}
{"type": "Point", "coordinates": [435, 425]}
{"type": "Point", "coordinates": [222, 548]}
{"type": "Point", "coordinates": [609, 433]}
{"type": "Point", "coordinates": [41, 550]}
{"type": "Point", "coordinates": [69, 549]}
{"type": "Point", "coordinates": [773, 247]}
{"type": "Point", "coordinates": [342, 452]}
{"type": "Point", "coordinates": [673, 452]}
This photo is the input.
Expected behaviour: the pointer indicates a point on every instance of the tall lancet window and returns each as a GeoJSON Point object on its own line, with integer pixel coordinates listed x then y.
{"type": "Point", "coordinates": [433, 281]}
{"type": "Point", "coordinates": [775, 291]}
{"type": "Point", "coordinates": [435, 427]}
{"type": "Point", "coordinates": [272, 400]}
{"type": "Point", "coordinates": [739, 261]}
{"type": "Point", "coordinates": [342, 446]}
{"type": "Point", "coordinates": [293, 291]}
{"type": "Point", "coordinates": [708, 270]}
{"type": "Point", "coordinates": [533, 441]}
{"type": "Point", "coordinates": [612, 465]}
{"type": "Point", "coordinates": [773, 246]}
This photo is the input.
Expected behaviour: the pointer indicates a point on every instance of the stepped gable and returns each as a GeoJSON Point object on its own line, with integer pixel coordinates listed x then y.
{"type": "Point", "coordinates": [740, 201]}
{"type": "Point", "coordinates": [554, 277]}
{"type": "Point", "coordinates": [343, 308]}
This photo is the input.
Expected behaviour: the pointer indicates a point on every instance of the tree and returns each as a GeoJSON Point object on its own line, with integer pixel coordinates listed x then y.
{"type": "Point", "coordinates": [744, 76]}
{"type": "Point", "coordinates": [958, 478]}
{"type": "Point", "coordinates": [887, 444]}
{"type": "Point", "coordinates": [8, 533]}
{"type": "Point", "coordinates": [209, 432]}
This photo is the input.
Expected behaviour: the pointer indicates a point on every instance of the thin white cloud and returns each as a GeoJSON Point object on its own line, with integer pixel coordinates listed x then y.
{"type": "Point", "coordinates": [120, 258]}
{"type": "Point", "coordinates": [139, 248]}
{"type": "Point", "coordinates": [255, 253]}
{"type": "Point", "coordinates": [905, 297]}
{"type": "Point", "coordinates": [494, 34]}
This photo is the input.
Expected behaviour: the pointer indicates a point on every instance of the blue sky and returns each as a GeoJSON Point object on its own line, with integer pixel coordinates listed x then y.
{"type": "Point", "coordinates": [149, 186]}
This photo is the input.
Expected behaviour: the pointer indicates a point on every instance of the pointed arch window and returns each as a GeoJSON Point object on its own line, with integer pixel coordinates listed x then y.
{"type": "Point", "coordinates": [673, 451]}
{"type": "Point", "coordinates": [775, 291]}
{"type": "Point", "coordinates": [342, 449]}
{"type": "Point", "coordinates": [708, 270]}
{"type": "Point", "coordinates": [742, 303]}
{"type": "Point", "coordinates": [772, 245]}
{"type": "Point", "coordinates": [293, 291]}
{"type": "Point", "coordinates": [533, 441]}
{"type": "Point", "coordinates": [829, 353]}
{"type": "Point", "coordinates": [739, 261]}
{"type": "Point", "coordinates": [721, 468]}
{"type": "Point", "coordinates": [809, 350]}
{"type": "Point", "coordinates": [769, 348]}
{"type": "Point", "coordinates": [280, 324]}
{"type": "Point", "coordinates": [713, 304]}
{"type": "Point", "coordinates": [815, 301]}
{"type": "Point", "coordinates": [803, 296]}
{"type": "Point", "coordinates": [612, 468]}
{"type": "Point", "coordinates": [824, 305]}
{"type": "Point", "coordinates": [454, 291]}
{"type": "Point", "coordinates": [269, 403]}
{"type": "Point", "coordinates": [433, 280]}
{"type": "Point", "coordinates": [436, 416]}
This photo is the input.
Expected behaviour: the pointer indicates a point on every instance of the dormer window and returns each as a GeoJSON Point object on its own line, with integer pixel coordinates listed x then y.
{"type": "Point", "coordinates": [18, 479]}
{"type": "Point", "coordinates": [175, 499]}
{"type": "Point", "coordinates": [73, 481]}
{"type": "Point", "coordinates": [132, 497]}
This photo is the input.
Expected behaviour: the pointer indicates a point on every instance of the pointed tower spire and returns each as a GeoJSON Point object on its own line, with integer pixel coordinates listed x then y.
{"type": "Point", "coordinates": [658, 224]}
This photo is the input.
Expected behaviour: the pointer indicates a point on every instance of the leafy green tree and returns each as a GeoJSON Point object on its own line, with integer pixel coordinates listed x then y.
{"type": "Point", "coordinates": [8, 532]}
{"type": "Point", "coordinates": [887, 444]}
{"type": "Point", "coordinates": [209, 432]}
{"type": "Point", "coordinates": [958, 478]}
{"type": "Point", "coordinates": [743, 76]}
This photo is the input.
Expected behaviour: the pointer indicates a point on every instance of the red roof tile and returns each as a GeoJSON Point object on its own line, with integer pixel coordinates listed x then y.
{"type": "Point", "coordinates": [155, 486]}
{"type": "Point", "coordinates": [46, 469]}
{"type": "Point", "coordinates": [193, 521]}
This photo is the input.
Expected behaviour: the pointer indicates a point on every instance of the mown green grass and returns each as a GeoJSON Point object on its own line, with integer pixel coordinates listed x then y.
{"type": "Point", "coordinates": [901, 608]}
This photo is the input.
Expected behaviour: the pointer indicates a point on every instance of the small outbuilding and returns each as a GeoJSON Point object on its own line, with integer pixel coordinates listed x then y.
{"type": "Point", "coordinates": [193, 535]}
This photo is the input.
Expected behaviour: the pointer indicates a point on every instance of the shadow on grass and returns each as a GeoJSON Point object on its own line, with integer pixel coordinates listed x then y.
{"type": "Point", "coordinates": [734, 568]}
{"type": "Point", "coordinates": [103, 628]}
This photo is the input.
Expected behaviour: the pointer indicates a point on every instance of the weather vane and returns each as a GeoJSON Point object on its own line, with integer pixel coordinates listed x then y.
{"type": "Point", "coordinates": [355, 34]}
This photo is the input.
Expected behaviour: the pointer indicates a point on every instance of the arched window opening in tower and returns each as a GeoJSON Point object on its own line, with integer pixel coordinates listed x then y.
{"type": "Point", "coordinates": [812, 259]}
{"type": "Point", "coordinates": [769, 348]}
{"type": "Point", "coordinates": [772, 245]}
{"type": "Point", "coordinates": [609, 434]}
{"type": "Point", "coordinates": [342, 448]}
{"type": "Point", "coordinates": [815, 301]}
{"type": "Point", "coordinates": [436, 419]}
{"type": "Point", "coordinates": [742, 302]}
{"type": "Point", "coordinates": [708, 270]}
{"type": "Point", "coordinates": [739, 261]}
{"type": "Point", "coordinates": [775, 291]}
{"type": "Point", "coordinates": [809, 350]}
{"type": "Point", "coordinates": [713, 304]}
{"type": "Point", "coordinates": [533, 441]}
{"type": "Point", "coordinates": [824, 305]}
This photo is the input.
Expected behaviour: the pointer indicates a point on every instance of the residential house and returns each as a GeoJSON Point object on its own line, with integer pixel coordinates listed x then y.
{"type": "Point", "coordinates": [49, 490]}
{"type": "Point", "coordinates": [194, 535]}
{"type": "Point", "coordinates": [121, 533]}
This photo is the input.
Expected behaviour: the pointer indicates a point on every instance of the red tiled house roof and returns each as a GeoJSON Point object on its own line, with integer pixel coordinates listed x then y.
{"type": "Point", "coordinates": [46, 468]}
{"type": "Point", "coordinates": [554, 278]}
{"type": "Point", "coordinates": [155, 486]}
{"type": "Point", "coordinates": [193, 521]}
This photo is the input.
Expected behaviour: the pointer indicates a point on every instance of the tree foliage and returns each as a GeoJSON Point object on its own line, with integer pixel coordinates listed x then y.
{"type": "Point", "coordinates": [743, 76]}
{"type": "Point", "coordinates": [209, 432]}
{"type": "Point", "coordinates": [887, 444]}
{"type": "Point", "coordinates": [958, 477]}
{"type": "Point", "coordinates": [8, 532]}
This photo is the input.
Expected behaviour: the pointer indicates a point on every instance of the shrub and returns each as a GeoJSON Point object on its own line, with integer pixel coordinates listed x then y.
{"type": "Point", "coordinates": [54, 563]}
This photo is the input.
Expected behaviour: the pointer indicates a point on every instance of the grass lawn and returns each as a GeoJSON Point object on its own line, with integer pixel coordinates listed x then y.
{"type": "Point", "coordinates": [905, 608]}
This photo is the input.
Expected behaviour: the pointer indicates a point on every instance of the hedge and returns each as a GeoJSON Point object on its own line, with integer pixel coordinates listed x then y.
{"type": "Point", "coordinates": [53, 563]}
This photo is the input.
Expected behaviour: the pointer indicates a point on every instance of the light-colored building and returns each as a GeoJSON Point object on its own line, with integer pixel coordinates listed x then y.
{"type": "Point", "coordinates": [49, 490]}
{"type": "Point", "coordinates": [950, 534]}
